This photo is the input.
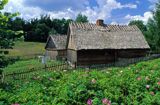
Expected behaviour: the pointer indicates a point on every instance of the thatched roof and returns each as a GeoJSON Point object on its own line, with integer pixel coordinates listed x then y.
{"type": "Point", "coordinates": [91, 36]}
{"type": "Point", "coordinates": [57, 42]}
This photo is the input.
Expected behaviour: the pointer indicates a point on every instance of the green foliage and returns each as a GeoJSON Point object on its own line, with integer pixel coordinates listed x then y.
{"type": "Point", "coordinates": [139, 24]}
{"type": "Point", "coordinates": [152, 29]}
{"type": "Point", "coordinates": [7, 34]}
{"type": "Point", "coordinates": [153, 26]}
{"type": "Point", "coordinates": [39, 29]}
{"type": "Point", "coordinates": [81, 18]}
{"type": "Point", "coordinates": [138, 84]}
{"type": "Point", "coordinates": [5, 61]}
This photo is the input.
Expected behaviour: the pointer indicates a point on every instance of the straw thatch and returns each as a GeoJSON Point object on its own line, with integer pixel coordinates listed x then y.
{"type": "Point", "coordinates": [91, 36]}
{"type": "Point", "coordinates": [57, 42]}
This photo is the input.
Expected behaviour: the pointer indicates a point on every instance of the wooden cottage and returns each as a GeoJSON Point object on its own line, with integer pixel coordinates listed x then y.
{"type": "Point", "coordinates": [98, 43]}
{"type": "Point", "coordinates": [56, 47]}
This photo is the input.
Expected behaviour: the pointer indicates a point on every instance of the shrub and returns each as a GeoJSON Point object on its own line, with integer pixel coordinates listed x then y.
{"type": "Point", "coordinates": [136, 84]}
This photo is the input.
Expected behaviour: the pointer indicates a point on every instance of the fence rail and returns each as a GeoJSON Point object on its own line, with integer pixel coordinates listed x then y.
{"type": "Point", "coordinates": [24, 74]}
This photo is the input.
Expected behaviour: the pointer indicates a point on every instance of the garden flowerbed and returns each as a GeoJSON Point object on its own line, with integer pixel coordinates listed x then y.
{"type": "Point", "coordinates": [133, 85]}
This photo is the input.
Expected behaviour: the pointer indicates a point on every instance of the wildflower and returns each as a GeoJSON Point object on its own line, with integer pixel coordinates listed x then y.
{"type": "Point", "coordinates": [147, 78]}
{"type": "Point", "coordinates": [147, 86]}
{"type": "Point", "coordinates": [38, 77]}
{"type": "Point", "coordinates": [152, 93]}
{"type": "Point", "coordinates": [89, 102]}
{"type": "Point", "coordinates": [64, 70]}
{"type": "Point", "coordinates": [137, 71]}
{"type": "Point", "coordinates": [139, 78]}
{"type": "Point", "coordinates": [158, 83]}
{"type": "Point", "coordinates": [93, 81]}
{"type": "Point", "coordinates": [106, 101]}
{"type": "Point", "coordinates": [121, 71]}
{"type": "Point", "coordinates": [107, 72]}
{"type": "Point", "coordinates": [51, 79]}
{"type": "Point", "coordinates": [44, 88]}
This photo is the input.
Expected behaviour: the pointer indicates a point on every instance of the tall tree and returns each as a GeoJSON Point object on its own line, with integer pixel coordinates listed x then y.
{"type": "Point", "coordinates": [139, 24]}
{"type": "Point", "coordinates": [153, 27]}
{"type": "Point", "coordinates": [6, 34]}
{"type": "Point", "coordinates": [39, 29]}
{"type": "Point", "coordinates": [81, 18]}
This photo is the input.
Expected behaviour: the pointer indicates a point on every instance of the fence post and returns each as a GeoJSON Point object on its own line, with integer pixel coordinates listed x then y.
{"type": "Point", "coordinates": [45, 67]}
{"type": "Point", "coordinates": [1, 75]}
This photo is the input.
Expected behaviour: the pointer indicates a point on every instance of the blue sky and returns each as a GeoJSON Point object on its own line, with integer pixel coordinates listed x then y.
{"type": "Point", "coordinates": [111, 11]}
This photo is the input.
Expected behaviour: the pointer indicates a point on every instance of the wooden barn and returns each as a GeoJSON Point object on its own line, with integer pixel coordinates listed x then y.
{"type": "Point", "coordinates": [99, 43]}
{"type": "Point", "coordinates": [56, 47]}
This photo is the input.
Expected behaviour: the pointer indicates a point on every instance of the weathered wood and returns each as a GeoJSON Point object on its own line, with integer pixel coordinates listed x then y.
{"type": "Point", "coordinates": [91, 57]}
{"type": "Point", "coordinates": [72, 57]}
{"type": "Point", "coordinates": [132, 53]}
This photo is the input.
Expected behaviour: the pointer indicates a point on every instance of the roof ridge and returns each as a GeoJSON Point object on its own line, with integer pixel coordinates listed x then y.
{"type": "Point", "coordinates": [107, 27]}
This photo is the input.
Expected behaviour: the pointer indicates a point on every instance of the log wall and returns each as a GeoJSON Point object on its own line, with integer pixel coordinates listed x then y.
{"type": "Point", "coordinates": [132, 53]}
{"type": "Point", "coordinates": [90, 57]}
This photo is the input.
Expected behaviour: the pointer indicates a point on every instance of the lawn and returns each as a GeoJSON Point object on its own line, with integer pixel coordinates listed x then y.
{"type": "Point", "coordinates": [26, 49]}
{"type": "Point", "coordinates": [23, 65]}
{"type": "Point", "coordinates": [137, 84]}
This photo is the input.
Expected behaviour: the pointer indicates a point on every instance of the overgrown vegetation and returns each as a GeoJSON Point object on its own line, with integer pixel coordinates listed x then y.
{"type": "Point", "coordinates": [6, 34]}
{"type": "Point", "coordinates": [136, 84]}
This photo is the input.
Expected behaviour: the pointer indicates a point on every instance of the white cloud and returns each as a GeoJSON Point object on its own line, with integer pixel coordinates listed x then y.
{"type": "Point", "coordinates": [102, 10]}
{"type": "Point", "coordinates": [153, 1]}
{"type": "Point", "coordinates": [25, 12]}
{"type": "Point", "coordinates": [114, 23]}
{"type": "Point", "coordinates": [144, 18]}
{"type": "Point", "coordinates": [153, 4]}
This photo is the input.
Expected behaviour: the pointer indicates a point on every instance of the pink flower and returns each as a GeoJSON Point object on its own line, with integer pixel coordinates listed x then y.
{"type": "Point", "coordinates": [139, 78]}
{"type": "Point", "coordinates": [106, 101]}
{"type": "Point", "coordinates": [152, 93]}
{"type": "Point", "coordinates": [89, 102]}
{"type": "Point", "coordinates": [93, 81]}
{"type": "Point", "coordinates": [158, 83]}
{"type": "Point", "coordinates": [147, 86]}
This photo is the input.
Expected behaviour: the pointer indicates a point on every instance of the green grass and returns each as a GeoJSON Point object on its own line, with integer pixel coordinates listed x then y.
{"type": "Point", "coordinates": [27, 65]}
{"type": "Point", "coordinates": [26, 49]}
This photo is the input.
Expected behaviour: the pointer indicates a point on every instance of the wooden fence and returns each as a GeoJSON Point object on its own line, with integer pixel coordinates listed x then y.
{"type": "Point", "coordinates": [25, 74]}
{"type": "Point", "coordinates": [29, 73]}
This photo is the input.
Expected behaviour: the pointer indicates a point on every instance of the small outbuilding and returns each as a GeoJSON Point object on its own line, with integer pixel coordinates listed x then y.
{"type": "Point", "coordinates": [56, 47]}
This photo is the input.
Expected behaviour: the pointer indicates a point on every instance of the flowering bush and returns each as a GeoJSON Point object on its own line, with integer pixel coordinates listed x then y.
{"type": "Point", "coordinates": [136, 84]}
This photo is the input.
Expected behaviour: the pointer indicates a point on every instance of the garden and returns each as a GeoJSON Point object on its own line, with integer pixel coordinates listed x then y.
{"type": "Point", "coordinates": [133, 85]}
